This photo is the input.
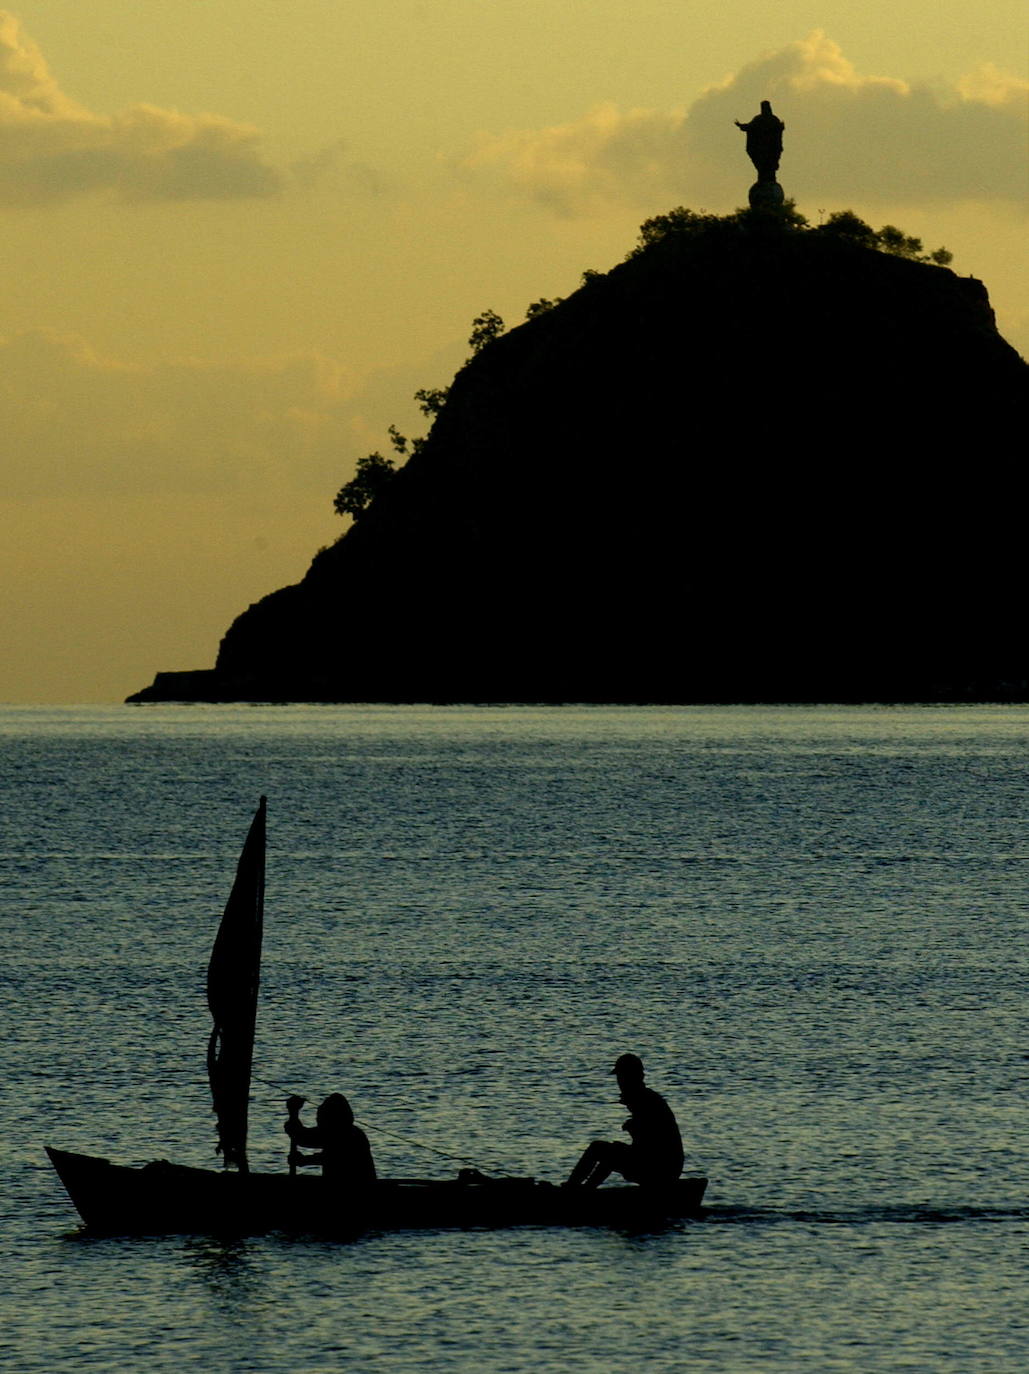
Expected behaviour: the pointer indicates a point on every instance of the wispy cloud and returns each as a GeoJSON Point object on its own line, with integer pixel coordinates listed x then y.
{"type": "Point", "coordinates": [54, 149]}
{"type": "Point", "coordinates": [848, 135]}
{"type": "Point", "coordinates": [75, 421]}
{"type": "Point", "coordinates": [333, 165]}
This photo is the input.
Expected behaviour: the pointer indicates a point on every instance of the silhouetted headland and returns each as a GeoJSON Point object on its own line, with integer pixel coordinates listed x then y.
{"type": "Point", "coordinates": [753, 462]}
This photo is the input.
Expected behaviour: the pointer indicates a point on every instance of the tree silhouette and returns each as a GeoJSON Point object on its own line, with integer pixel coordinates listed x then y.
{"type": "Point", "coordinates": [844, 224]}
{"type": "Point", "coordinates": [542, 306]}
{"type": "Point", "coordinates": [431, 400]}
{"type": "Point", "coordinates": [485, 328]}
{"type": "Point", "coordinates": [682, 223]}
{"type": "Point", "coordinates": [373, 474]}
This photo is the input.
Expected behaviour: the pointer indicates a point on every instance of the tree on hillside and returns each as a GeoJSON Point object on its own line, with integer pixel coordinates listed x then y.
{"type": "Point", "coordinates": [431, 400]}
{"type": "Point", "coordinates": [485, 328]}
{"type": "Point", "coordinates": [844, 224]}
{"type": "Point", "coordinates": [682, 223]}
{"type": "Point", "coordinates": [542, 306]}
{"type": "Point", "coordinates": [373, 474]}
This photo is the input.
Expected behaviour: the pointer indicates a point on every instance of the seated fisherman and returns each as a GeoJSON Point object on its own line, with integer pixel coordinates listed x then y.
{"type": "Point", "coordinates": [343, 1149]}
{"type": "Point", "coordinates": [654, 1157]}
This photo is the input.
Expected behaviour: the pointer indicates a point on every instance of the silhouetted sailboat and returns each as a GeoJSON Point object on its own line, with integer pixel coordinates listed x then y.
{"type": "Point", "coordinates": [163, 1198]}
{"type": "Point", "coordinates": [233, 980]}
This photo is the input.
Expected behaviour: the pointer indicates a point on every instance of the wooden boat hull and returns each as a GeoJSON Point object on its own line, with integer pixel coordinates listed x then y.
{"type": "Point", "coordinates": [173, 1199]}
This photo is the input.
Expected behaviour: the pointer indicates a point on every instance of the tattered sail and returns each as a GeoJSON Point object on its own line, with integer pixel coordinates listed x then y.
{"type": "Point", "coordinates": [233, 976]}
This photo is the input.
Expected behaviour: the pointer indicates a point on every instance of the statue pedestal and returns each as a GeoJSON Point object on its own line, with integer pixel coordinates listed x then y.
{"type": "Point", "coordinates": [766, 195]}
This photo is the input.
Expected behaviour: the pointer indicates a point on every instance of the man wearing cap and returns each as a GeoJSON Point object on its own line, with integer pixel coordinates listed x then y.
{"type": "Point", "coordinates": [654, 1157]}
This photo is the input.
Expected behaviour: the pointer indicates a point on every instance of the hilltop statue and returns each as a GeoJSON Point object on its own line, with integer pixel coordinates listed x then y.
{"type": "Point", "coordinates": [764, 148]}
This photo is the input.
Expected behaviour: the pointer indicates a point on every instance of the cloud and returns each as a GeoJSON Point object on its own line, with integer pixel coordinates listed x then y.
{"type": "Point", "coordinates": [145, 505]}
{"type": "Point", "coordinates": [607, 155]}
{"type": "Point", "coordinates": [77, 423]}
{"type": "Point", "coordinates": [53, 149]}
{"type": "Point", "coordinates": [847, 135]}
{"type": "Point", "coordinates": [331, 165]}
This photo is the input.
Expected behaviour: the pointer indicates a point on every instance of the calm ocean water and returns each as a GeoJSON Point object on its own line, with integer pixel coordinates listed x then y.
{"type": "Point", "coordinates": [809, 922]}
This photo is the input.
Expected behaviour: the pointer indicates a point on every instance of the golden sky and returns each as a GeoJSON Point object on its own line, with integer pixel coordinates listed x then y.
{"type": "Point", "coordinates": [238, 237]}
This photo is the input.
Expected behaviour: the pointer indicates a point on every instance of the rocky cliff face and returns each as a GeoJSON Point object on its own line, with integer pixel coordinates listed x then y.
{"type": "Point", "coordinates": [747, 464]}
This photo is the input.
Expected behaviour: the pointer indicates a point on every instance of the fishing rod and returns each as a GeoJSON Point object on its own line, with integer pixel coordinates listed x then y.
{"type": "Point", "coordinates": [419, 1145]}
{"type": "Point", "coordinates": [383, 1130]}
